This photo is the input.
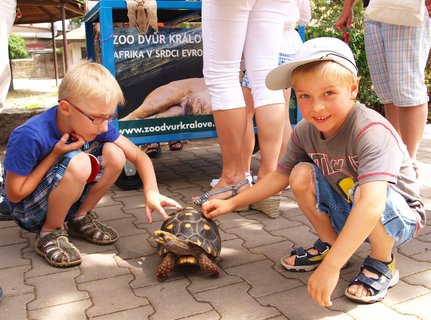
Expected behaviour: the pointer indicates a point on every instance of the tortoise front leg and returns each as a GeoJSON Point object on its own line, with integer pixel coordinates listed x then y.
{"type": "Point", "coordinates": [207, 265]}
{"type": "Point", "coordinates": [165, 267]}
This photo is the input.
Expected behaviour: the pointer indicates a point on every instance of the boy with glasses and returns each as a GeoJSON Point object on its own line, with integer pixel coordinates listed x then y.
{"type": "Point", "coordinates": [59, 164]}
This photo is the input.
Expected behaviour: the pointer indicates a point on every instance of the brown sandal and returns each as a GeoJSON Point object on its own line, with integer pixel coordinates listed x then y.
{"type": "Point", "coordinates": [57, 250]}
{"type": "Point", "coordinates": [91, 229]}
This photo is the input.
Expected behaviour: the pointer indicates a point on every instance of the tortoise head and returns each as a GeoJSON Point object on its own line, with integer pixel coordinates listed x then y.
{"type": "Point", "coordinates": [163, 237]}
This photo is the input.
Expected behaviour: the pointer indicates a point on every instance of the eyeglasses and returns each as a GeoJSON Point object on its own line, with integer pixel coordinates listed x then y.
{"type": "Point", "coordinates": [94, 120]}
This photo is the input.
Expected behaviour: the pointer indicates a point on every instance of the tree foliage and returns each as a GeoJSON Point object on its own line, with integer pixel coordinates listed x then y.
{"type": "Point", "coordinates": [324, 15]}
{"type": "Point", "coordinates": [18, 49]}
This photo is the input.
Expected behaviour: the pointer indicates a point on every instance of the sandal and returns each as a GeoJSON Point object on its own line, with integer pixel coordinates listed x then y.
{"type": "Point", "coordinates": [305, 261]}
{"type": "Point", "coordinates": [57, 250]}
{"type": "Point", "coordinates": [153, 150]}
{"type": "Point", "coordinates": [388, 277]}
{"type": "Point", "coordinates": [269, 206]}
{"type": "Point", "coordinates": [91, 229]}
{"type": "Point", "coordinates": [176, 145]}
{"type": "Point", "coordinates": [200, 200]}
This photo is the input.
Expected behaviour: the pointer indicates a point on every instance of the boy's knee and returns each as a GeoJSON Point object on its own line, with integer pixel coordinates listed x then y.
{"type": "Point", "coordinates": [79, 168]}
{"type": "Point", "coordinates": [301, 177]}
{"type": "Point", "coordinates": [113, 157]}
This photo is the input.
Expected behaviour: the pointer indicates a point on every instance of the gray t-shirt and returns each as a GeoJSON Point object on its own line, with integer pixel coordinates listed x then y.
{"type": "Point", "coordinates": [366, 148]}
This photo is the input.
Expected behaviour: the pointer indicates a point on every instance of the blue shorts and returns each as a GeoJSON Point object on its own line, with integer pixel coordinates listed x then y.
{"type": "Point", "coordinates": [30, 212]}
{"type": "Point", "coordinates": [282, 59]}
{"type": "Point", "coordinates": [398, 219]}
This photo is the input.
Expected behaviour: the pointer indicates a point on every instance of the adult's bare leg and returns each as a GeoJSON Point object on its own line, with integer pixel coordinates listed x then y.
{"type": "Point", "coordinates": [231, 137]}
{"type": "Point", "coordinates": [410, 124]}
{"type": "Point", "coordinates": [270, 124]}
{"type": "Point", "coordinates": [249, 139]}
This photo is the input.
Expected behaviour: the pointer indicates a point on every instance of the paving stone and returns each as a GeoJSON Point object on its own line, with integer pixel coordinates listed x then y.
{"type": "Point", "coordinates": [7, 224]}
{"type": "Point", "coordinates": [73, 310]}
{"type": "Point", "coordinates": [14, 307]}
{"type": "Point", "coordinates": [420, 279]}
{"type": "Point", "coordinates": [134, 246]}
{"type": "Point", "coordinates": [11, 236]}
{"type": "Point", "coordinates": [55, 289]}
{"type": "Point", "coordinates": [111, 295]}
{"type": "Point", "coordinates": [144, 270]}
{"type": "Point", "coordinates": [297, 304]}
{"type": "Point", "coordinates": [99, 266]}
{"type": "Point", "coordinates": [234, 220]}
{"type": "Point", "coordinates": [266, 281]}
{"type": "Point", "coordinates": [125, 227]}
{"type": "Point", "coordinates": [135, 313]}
{"type": "Point", "coordinates": [111, 212]}
{"type": "Point", "coordinates": [12, 281]}
{"type": "Point", "coordinates": [200, 281]}
{"type": "Point", "coordinates": [376, 311]}
{"type": "Point", "coordinates": [107, 200]}
{"type": "Point", "coordinates": [171, 299]}
{"type": "Point", "coordinates": [234, 302]}
{"type": "Point", "coordinates": [405, 291]}
{"type": "Point", "coordinates": [234, 254]}
{"type": "Point", "coordinates": [416, 307]}
{"type": "Point", "coordinates": [11, 256]}
{"type": "Point", "coordinates": [275, 251]}
{"type": "Point", "coordinates": [212, 315]}
{"type": "Point", "coordinates": [248, 234]}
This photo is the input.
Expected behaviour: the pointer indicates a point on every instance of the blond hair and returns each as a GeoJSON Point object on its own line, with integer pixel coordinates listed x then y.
{"type": "Point", "coordinates": [318, 70]}
{"type": "Point", "coordinates": [90, 80]}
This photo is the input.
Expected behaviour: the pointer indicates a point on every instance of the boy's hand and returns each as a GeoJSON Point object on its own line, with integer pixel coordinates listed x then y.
{"type": "Point", "coordinates": [321, 284]}
{"type": "Point", "coordinates": [216, 207]}
{"type": "Point", "coordinates": [156, 201]}
{"type": "Point", "coordinates": [65, 145]}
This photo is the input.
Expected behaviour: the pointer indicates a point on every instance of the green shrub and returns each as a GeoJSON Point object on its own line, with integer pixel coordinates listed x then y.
{"type": "Point", "coordinates": [324, 15]}
{"type": "Point", "coordinates": [18, 50]}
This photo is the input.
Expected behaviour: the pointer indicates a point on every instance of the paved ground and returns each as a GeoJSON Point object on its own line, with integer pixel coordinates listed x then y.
{"type": "Point", "coordinates": [118, 281]}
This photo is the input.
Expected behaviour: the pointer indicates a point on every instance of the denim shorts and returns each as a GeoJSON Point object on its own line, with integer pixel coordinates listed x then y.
{"type": "Point", "coordinates": [398, 219]}
{"type": "Point", "coordinates": [283, 58]}
{"type": "Point", "coordinates": [30, 212]}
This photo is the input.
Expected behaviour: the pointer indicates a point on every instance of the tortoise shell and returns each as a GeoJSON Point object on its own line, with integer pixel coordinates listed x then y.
{"type": "Point", "coordinates": [192, 226]}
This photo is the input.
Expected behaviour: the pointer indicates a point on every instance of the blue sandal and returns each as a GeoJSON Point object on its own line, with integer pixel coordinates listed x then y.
{"type": "Point", "coordinates": [388, 277]}
{"type": "Point", "coordinates": [305, 261]}
{"type": "Point", "coordinates": [233, 189]}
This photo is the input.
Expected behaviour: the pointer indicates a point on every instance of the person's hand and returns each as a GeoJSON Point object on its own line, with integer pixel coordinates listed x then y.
{"type": "Point", "coordinates": [216, 207]}
{"type": "Point", "coordinates": [322, 283]}
{"type": "Point", "coordinates": [344, 21]}
{"type": "Point", "coordinates": [428, 5]}
{"type": "Point", "coordinates": [156, 201]}
{"type": "Point", "coordinates": [66, 144]}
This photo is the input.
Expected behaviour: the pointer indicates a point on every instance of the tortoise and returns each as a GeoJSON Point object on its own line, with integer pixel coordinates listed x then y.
{"type": "Point", "coordinates": [187, 237]}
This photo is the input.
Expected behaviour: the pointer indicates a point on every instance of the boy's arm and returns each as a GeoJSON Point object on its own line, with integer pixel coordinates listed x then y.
{"type": "Point", "coordinates": [18, 187]}
{"type": "Point", "coordinates": [363, 218]}
{"type": "Point", "coordinates": [153, 199]}
{"type": "Point", "coordinates": [269, 185]}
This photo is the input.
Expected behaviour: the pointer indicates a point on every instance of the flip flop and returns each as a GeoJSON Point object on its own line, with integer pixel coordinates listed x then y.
{"type": "Point", "coordinates": [176, 145]}
{"type": "Point", "coordinates": [153, 150]}
{"type": "Point", "coordinates": [233, 189]}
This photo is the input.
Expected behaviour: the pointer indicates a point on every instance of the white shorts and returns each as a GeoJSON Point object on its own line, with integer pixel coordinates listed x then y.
{"type": "Point", "coordinates": [397, 57]}
{"type": "Point", "coordinates": [232, 28]}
